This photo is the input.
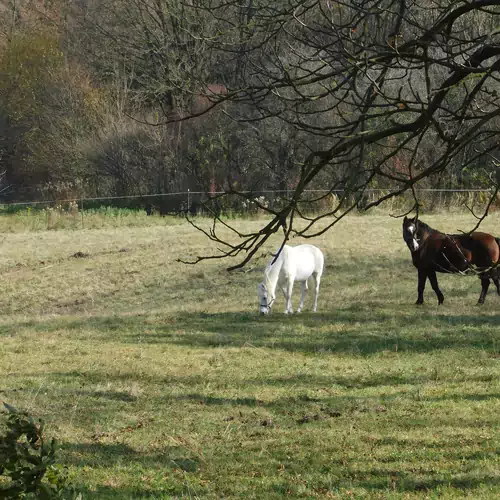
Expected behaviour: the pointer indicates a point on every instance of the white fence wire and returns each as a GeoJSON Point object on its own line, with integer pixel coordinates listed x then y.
{"type": "Point", "coordinates": [189, 196]}
{"type": "Point", "coordinates": [94, 212]}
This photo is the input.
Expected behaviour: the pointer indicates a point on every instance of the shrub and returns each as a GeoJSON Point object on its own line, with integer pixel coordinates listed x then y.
{"type": "Point", "coordinates": [28, 466]}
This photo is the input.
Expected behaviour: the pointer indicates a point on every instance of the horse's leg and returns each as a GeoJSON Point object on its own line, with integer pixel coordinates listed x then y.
{"type": "Point", "coordinates": [422, 277]}
{"type": "Point", "coordinates": [485, 283]}
{"type": "Point", "coordinates": [304, 290]}
{"type": "Point", "coordinates": [435, 286]}
{"type": "Point", "coordinates": [317, 279]}
{"type": "Point", "coordinates": [283, 289]}
{"type": "Point", "coordinates": [497, 284]}
{"type": "Point", "coordinates": [288, 295]}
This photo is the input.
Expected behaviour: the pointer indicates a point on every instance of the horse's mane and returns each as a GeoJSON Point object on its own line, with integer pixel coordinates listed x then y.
{"type": "Point", "coordinates": [277, 260]}
{"type": "Point", "coordinates": [267, 280]}
{"type": "Point", "coordinates": [423, 225]}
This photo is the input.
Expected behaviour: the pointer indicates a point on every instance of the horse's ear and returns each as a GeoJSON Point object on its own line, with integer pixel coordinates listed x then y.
{"type": "Point", "coordinates": [405, 219]}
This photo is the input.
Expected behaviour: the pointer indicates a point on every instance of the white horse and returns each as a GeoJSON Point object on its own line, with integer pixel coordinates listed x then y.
{"type": "Point", "coordinates": [293, 264]}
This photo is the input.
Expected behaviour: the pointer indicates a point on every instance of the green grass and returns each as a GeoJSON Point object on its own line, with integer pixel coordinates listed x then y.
{"type": "Point", "coordinates": [162, 381]}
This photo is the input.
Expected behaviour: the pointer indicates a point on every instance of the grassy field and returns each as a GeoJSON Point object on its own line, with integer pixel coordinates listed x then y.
{"type": "Point", "coordinates": [160, 380]}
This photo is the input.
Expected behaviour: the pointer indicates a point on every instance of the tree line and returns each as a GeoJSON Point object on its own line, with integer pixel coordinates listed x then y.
{"type": "Point", "coordinates": [118, 97]}
{"type": "Point", "coordinates": [82, 82]}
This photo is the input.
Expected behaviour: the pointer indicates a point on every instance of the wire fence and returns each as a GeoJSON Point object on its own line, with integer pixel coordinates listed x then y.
{"type": "Point", "coordinates": [191, 196]}
{"type": "Point", "coordinates": [77, 212]}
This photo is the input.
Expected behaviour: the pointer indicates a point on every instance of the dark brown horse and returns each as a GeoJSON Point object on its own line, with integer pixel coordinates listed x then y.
{"type": "Point", "coordinates": [432, 251]}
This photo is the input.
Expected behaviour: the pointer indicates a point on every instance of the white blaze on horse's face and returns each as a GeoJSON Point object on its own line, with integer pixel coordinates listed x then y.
{"type": "Point", "coordinates": [411, 229]}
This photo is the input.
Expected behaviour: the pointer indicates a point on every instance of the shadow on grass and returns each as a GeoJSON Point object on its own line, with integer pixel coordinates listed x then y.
{"type": "Point", "coordinates": [383, 482]}
{"type": "Point", "coordinates": [398, 481]}
{"type": "Point", "coordinates": [108, 455]}
{"type": "Point", "coordinates": [121, 492]}
{"type": "Point", "coordinates": [160, 468]}
{"type": "Point", "coordinates": [157, 467]}
{"type": "Point", "coordinates": [465, 397]}
{"type": "Point", "coordinates": [109, 395]}
{"type": "Point", "coordinates": [354, 331]}
{"type": "Point", "coordinates": [363, 330]}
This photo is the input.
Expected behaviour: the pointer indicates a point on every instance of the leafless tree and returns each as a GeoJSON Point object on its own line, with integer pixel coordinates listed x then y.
{"type": "Point", "coordinates": [3, 186]}
{"type": "Point", "coordinates": [365, 82]}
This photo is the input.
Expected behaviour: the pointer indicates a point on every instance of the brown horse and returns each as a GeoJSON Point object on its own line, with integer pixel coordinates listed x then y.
{"type": "Point", "coordinates": [432, 251]}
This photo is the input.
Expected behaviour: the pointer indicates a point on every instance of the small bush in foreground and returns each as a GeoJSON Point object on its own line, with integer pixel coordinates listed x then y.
{"type": "Point", "coordinates": [28, 466]}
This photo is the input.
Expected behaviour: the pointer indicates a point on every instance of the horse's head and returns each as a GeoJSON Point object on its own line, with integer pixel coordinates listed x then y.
{"type": "Point", "coordinates": [411, 233]}
{"type": "Point", "coordinates": [266, 300]}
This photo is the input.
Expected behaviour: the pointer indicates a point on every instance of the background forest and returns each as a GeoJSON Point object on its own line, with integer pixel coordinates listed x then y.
{"type": "Point", "coordinates": [95, 96]}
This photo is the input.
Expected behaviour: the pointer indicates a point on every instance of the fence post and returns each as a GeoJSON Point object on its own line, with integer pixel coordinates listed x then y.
{"type": "Point", "coordinates": [189, 201]}
{"type": "Point", "coordinates": [81, 204]}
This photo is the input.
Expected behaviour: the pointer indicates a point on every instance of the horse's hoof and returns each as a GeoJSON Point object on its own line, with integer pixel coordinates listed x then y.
{"type": "Point", "coordinates": [479, 303]}
{"type": "Point", "coordinates": [419, 302]}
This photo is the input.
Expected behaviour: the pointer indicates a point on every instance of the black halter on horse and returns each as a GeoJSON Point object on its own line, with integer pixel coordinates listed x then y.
{"type": "Point", "coordinates": [433, 251]}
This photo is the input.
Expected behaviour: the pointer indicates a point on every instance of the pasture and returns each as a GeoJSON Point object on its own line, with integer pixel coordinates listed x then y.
{"type": "Point", "coordinates": [161, 380]}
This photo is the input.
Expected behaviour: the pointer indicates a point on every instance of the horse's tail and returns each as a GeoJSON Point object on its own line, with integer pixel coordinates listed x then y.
{"type": "Point", "coordinates": [496, 266]}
